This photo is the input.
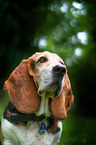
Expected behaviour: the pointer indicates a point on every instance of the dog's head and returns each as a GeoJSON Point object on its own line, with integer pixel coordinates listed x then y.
{"type": "Point", "coordinates": [41, 85]}
{"type": "Point", "coordinates": [48, 70]}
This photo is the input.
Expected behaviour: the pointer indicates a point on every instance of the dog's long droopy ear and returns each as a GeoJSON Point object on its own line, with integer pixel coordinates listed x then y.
{"type": "Point", "coordinates": [22, 90]}
{"type": "Point", "coordinates": [61, 103]}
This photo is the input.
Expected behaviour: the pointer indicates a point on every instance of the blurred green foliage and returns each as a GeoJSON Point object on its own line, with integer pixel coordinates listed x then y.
{"type": "Point", "coordinates": [78, 131]}
{"type": "Point", "coordinates": [65, 27]}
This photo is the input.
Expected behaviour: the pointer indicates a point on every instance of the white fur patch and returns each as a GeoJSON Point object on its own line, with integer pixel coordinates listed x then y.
{"type": "Point", "coordinates": [28, 135]}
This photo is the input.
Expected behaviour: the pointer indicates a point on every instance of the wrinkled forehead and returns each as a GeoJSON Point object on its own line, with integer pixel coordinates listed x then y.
{"type": "Point", "coordinates": [48, 55]}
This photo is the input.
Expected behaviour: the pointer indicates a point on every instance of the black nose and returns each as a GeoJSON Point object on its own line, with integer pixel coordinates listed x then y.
{"type": "Point", "coordinates": [59, 70]}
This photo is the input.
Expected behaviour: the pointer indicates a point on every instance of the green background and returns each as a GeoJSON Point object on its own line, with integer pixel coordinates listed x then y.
{"type": "Point", "coordinates": [67, 28]}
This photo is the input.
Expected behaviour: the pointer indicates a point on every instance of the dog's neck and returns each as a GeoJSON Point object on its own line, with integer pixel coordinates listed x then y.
{"type": "Point", "coordinates": [45, 105]}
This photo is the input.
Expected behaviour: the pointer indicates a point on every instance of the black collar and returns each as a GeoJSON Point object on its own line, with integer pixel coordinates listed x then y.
{"type": "Point", "coordinates": [14, 116]}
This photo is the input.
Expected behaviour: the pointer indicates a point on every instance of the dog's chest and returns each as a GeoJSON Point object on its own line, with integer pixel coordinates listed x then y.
{"type": "Point", "coordinates": [30, 134]}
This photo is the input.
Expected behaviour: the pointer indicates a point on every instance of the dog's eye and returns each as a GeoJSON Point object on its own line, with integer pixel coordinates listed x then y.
{"type": "Point", "coordinates": [42, 59]}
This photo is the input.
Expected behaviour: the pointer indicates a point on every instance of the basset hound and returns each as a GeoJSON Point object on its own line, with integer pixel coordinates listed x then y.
{"type": "Point", "coordinates": [40, 96]}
